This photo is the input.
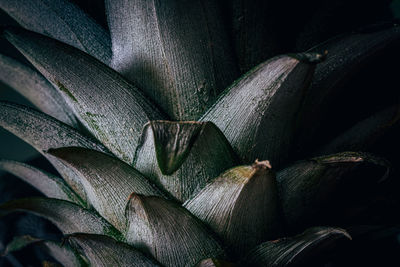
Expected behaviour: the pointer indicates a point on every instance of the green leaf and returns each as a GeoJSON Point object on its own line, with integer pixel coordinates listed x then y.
{"type": "Point", "coordinates": [20, 242]}
{"type": "Point", "coordinates": [308, 188]}
{"type": "Point", "coordinates": [113, 110]}
{"type": "Point", "coordinates": [364, 134]}
{"type": "Point", "coordinates": [241, 205]}
{"type": "Point", "coordinates": [105, 251]}
{"type": "Point", "coordinates": [258, 113]}
{"type": "Point", "coordinates": [49, 184]}
{"type": "Point", "coordinates": [168, 232]}
{"type": "Point", "coordinates": [346, 54]}
{"type": "Point", "coordinates": [43, 133]}
{"type": "Point", "coordinates": [108, 181]}
{"type": "Point", "coordinates": [178, 52]}
{"type": "Point", "coordinates": [181, 157]}
{"type": "Point", "coordinates": [62, 20]}
{"type": "Point", "coordinates": [301, 250]}
{"type": "Point", "coordinates": [67, 216]}
{"type": "Point", "coordinates": [35, 88]}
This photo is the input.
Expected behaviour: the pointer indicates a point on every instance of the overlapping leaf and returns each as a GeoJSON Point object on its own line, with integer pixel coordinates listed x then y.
{"type": "Point", "coordinates": [177, 51]}
{"type": "Point", "coordinates": [181, 157]}
{"type": "Point", "coordinates": [35, 88]}
{"type": "Point", "coordinates": [62, 20]}
{"type": "Point", "coordinates": [113, 110]}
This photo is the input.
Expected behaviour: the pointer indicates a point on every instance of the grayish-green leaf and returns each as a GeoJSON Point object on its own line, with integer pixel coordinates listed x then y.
{"type": "Point", "coordinates": [67, 216]}
{"type": "Point", "coordinates": [214, 263]}
{"type": "Point", "coordinates": [168, 232]}
{"type": "Point", "coordinates": [258, 113]}
{"type": "Point", "coordinates": [113, 110]}
{"type": "Point", "coordinates": [300, 250]}
{"type": "Point", "coordinates": [20, 242]}
{"type": "Point", "coordinates": [346, 54]}
{"type": "Point", "coordinates": [43, 133]}
{"type": "Point", "coordinates": [241, 205]}
{"type": "Point", "coordinates": [108, 181]}
{"type": "Point", "coordinates": [364, 134]}
{"type": "Point", "coordinates": [62, 20]}
{"type": "Point", "coordinates": [35, 88]}
{"type": "Point", "coordinates": [306, 187]}
{"type": "Point", "coordinates": [181, 157]}
{"type": "Point", "coordinates": [176, 51]}
{"type": "Point", "coordinates": [105, 251]}
{"type": "Point", "coordinates": [49, 184]}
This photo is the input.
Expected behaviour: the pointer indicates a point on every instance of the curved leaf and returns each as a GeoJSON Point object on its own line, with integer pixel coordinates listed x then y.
{"type": "Point", "coordinates": [346, 54]}
{"type": "Point", "coordinates": [181, 157]}
{"type": "Point", "coordinates": [62, 20]}
{"type": "Point", "coordinates": [113, 110]}
{"type": "Point", "coordinates": [258, 113]}
{"type": "Point", "coordinates": [309, 187]}
{"type": "Point", "coordinates": [168, 232]}
{"type": "Point", "coordinates": [177, 51]}
{"type": "Point", "coordinates": [241, 205]}
{"type": "Point", "coordinates": [35, 88]}
{"type": "Point", "coordinates": [108, 181]}
{"type": "Point", "coordinates": [105, 251]}
{"type": "Point", "coordinates": [43, 133]}
{"type": "Point", "coordinates": [67, 216]}
{"type": "Point", "coordinates": [50, 185]}
{"type": "Point", "coordinates": [300, 250]}
{"type": "Point", "coordinates": [364, 134]}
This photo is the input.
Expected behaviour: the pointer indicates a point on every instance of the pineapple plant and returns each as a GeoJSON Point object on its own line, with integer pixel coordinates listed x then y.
{"type": "Point", "coordinates": [179, 143]}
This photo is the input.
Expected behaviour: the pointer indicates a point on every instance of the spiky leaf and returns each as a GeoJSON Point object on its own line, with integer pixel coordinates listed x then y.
{"type": "Point", "coordinates": [181, 157]}
{"type": "Point", "coordinates": [108, 181]}
{"type": "Point", "coordinates": [168, 232]}
{"type": "Point", "coordinates": [35, 88]}
{"type": "Point", "coordinates": [177, 51]}
{"type": "Point", "coordinates": [301, 250]}
{"type": "Point", "coordinates": [258, 113]}
{"type": "Point", "coordinates": [241, 205]}
{"type": "Point", "coordinates": [113, 110]}
{"type": "Point", "coordinates": [64, 21]}
{"type": "Point", "coordinates": [49, 184]}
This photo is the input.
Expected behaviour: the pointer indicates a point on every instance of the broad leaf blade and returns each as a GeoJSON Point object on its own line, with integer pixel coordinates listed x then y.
{"type": "Point", "coordinates": [113, 110]}
{"type": "Point", "coordinates": [178, 52]}
{"type": "Point", "coordinates": [168, 232]}
{"type": "Point", "coordinates": [62, 20]}
{"type": "Point", "coordinates": [181, 157]}
{"type": "Point", "coordinates": [35, 88]}
{"type": "Point", "coordinates": [50, 185]}
{"type": "Point", "coordinates": [108, 181]}
{"type": "Point", "coordinates": [43, 133]}
{"type": "Point", "coordinates": [67, 216]}
{"type": "Point", "coordinates": [241, 206]}
{"type": "Point", "coordinates": [310, 190]}
{"type": "Point", "coordinates": [258, 113]}
{"type": "Point", "coordinates": [300, 250]}
{"type": "Point", "coordinates": [105, 251]}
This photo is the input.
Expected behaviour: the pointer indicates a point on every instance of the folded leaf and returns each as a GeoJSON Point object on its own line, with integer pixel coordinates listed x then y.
{"type": "Point", "coordinates": [178, 52]}
{"type": "Point", "coordinates": [301, 250]}
{"type": "Point", "coordinates": [364, 134]}
{"type": "Point", "coordinates": [309, 188]}
{"type": "Point", "coordinates": [113, 110]}
{"type": "Point", "coordinates": [35, 88]}
{"type": "Point", "coordinates": [107, 181]}
{"type": "Point", "coordinates": [168, 232]}
{"type": "Point", "coordinates": [258, 113]}
{"type": "Point", "coordinates": [49, 184]}
{"type": "Point", "coordinates": [43, 133]}
{"type": "Point", "coordinates": [67, 216]}
{"type": "Point", "coordinates": [105, 251]}
{"type": "Point", "coordinates": [241, 205]}
{"type": "Point", "coordinates": [346, 54]}
{"type": "Point", "coordinates": [62, 20]}
{"type": "Point", "coordinates": [181, 157]}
